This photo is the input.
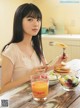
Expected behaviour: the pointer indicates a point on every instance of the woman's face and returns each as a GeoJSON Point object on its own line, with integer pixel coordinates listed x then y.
{"type": "Point", "coordinates": [31, 26]}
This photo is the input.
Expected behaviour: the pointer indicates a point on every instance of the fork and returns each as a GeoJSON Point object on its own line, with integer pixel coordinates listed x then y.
{"type": "Point", "coordinates": [53, 60]}
{"type": "Point", "coordinates": [49, 62]}
{"type": "Point", "coordinates": [64, 53]}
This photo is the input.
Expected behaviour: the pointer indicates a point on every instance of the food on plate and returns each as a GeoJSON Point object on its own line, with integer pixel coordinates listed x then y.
{"type": "Point", "coordinates": [62, 68]}
{"type": "Point", "coordinates": [68, 81]}
{"type": "Point", "coordinates": [53, 78]}
{"type": "Point", "coordinates": [63, 63]}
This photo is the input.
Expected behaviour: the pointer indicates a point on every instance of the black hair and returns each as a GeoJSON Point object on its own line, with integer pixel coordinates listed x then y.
{"type": "Point", "coordinates": [27, 9]}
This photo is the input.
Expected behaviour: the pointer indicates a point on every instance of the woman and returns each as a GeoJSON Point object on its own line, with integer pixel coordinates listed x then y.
{"type": "Point", "coordinates": [23, 55]}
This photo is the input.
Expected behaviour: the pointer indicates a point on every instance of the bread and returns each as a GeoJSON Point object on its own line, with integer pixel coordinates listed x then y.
{"type": "Point", "coordinates": [62, 69]}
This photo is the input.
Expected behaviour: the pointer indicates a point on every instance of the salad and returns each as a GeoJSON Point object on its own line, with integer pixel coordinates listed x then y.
{"type": "Point", "coordinates": [53, 78]}
{"type": "Point", "coordinates": [69, 81]}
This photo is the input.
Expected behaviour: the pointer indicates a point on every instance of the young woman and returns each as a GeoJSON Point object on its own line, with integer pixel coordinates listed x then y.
{"type": "Point", "coordinates": [23, 55]}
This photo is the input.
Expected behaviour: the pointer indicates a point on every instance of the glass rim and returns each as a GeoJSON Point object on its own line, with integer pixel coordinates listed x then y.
{"type": "Point", "coordinates": [43, 76]}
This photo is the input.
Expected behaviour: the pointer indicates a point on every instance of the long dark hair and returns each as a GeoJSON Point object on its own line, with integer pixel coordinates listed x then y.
{"type": "Point", "coordinates": [27, 9]}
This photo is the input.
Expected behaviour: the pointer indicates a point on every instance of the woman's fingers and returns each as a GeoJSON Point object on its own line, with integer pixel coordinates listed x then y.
{"type": "Point", "coordinates": [41, 69]}
{"type": "Point", "coordinates": [60, 59]}
{"type": "Point", "coordinates": [64, 57]}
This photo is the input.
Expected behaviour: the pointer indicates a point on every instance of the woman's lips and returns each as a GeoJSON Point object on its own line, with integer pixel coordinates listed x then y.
{"type": "Point", "coordinates": [35, 30]}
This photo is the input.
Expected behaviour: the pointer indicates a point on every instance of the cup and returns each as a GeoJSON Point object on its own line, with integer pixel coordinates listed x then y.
{"type": "Point", "coordinates": [40, 86]}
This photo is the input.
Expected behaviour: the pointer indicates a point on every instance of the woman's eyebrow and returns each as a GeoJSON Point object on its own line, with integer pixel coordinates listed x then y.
{"type": "Point", "coordinates": [30, 16]}
{"type": "Point", "coordinates": [33, 17]}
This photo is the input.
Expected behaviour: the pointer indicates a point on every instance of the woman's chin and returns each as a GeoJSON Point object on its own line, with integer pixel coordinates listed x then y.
{"type": "Point", "coordinates": [34, 34]}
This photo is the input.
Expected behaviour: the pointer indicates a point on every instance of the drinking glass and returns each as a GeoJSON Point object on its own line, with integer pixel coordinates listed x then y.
{"type": "Point", "coordinates": [40, 86]}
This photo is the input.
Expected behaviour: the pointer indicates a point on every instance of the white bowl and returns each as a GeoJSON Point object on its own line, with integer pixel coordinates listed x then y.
{"type": "Point", "coordinates": [53, 82]}
{"type": "Point", "coordinates": [53, 78]}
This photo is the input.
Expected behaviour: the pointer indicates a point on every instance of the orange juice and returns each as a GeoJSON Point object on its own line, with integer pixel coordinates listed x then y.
{"type": "Point", "coordinates": [40, 89]}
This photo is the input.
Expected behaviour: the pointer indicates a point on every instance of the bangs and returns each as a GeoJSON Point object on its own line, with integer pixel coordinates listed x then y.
{"type": "Point", "coordinates": [34, 14]}
{"type": "Point", "coordinates": [31, 10]}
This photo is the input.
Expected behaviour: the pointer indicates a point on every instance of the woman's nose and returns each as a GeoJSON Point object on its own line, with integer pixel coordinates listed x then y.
{"type": "Point", "coordinates": [36, 22]}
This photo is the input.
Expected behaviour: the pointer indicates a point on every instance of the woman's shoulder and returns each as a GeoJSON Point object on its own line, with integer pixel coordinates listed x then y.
{"type": "Point", "coordinates": [11, 47]}
{"type": "Point", "coordinates": [10, 52]}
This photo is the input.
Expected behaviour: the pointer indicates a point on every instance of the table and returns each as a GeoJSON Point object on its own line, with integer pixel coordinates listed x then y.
{"type": "Point", "coordinates": [57, 98]}
{"type": "Point", "coordinates": [21, 97]}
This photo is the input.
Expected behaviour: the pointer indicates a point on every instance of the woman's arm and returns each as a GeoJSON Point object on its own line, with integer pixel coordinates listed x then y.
{"type": "Point", "coordinates": [14, 84]}
{"type": "Point", "coordinates": [7, 72]}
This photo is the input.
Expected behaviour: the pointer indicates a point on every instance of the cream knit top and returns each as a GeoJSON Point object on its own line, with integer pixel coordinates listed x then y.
{"type": "Point", "coordinates": [22, 62]}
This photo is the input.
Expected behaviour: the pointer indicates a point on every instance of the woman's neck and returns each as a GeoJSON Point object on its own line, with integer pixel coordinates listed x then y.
{"type": "Point", "coordinates": [27, 40]}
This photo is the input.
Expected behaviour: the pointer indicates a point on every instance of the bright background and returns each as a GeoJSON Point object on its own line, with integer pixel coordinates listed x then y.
{"type": "Point", "coordinates": [66, 16]}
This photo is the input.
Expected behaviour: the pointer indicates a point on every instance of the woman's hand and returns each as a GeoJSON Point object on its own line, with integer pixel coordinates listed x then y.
{"type": "Point", "coordinates": [57, 63]}
{"type": "Point", "coordinates": [38, 69]}
{"type": "Point", "coordinates": [60, 60]}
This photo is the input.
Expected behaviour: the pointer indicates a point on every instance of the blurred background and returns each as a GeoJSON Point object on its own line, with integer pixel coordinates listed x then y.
{"type": "Point", "coordinates": [64, 18]}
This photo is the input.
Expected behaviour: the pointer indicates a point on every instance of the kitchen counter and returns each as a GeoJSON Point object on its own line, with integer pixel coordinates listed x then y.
{"type": "Point", "coordinates": [67, 36]}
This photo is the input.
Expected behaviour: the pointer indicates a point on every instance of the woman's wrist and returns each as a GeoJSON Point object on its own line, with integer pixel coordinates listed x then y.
{"type": "Point", "coordinates": [49, 68]}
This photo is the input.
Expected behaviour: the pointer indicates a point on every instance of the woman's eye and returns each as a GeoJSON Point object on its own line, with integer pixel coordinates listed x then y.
{"type": "Point", "coordinates": [30, 19]}
{"type": "Point", "coordinates": [39, 19]}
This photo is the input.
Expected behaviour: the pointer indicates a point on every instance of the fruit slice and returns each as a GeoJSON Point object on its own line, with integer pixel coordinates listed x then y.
{"type": "Point", "coordinates": [62, 80]}
{"type": "Point", "coordinates": [61, 44]}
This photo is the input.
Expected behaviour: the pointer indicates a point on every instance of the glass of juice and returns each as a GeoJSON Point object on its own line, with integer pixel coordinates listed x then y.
{"type": "Point", "coordinates": [40, 86]}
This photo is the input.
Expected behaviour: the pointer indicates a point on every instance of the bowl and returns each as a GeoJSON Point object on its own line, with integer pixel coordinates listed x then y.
{"type": "Point", "coordinates": [69, 82]}
{"type": "Point", "coordinates": [53, 78]}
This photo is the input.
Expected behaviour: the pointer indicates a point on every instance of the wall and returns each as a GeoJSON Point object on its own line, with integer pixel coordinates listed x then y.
{"type": "Point", "coordinates": [66, 16]}
{"type": "Point", "coordinates": [72, 49]}
{"type": "Point", "coordinates": [7, 10]}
